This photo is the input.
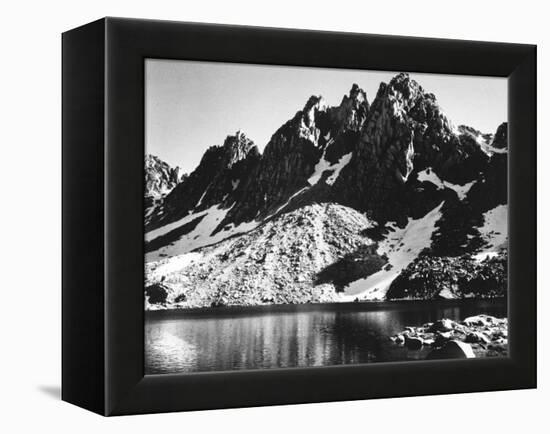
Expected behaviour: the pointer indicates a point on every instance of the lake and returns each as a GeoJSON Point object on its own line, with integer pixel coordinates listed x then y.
{"type": "Point", "coordinates": [232, 338]}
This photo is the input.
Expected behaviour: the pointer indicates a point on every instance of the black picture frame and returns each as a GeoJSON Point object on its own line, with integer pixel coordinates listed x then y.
{"type": "Point", "coordinates": [103, 267]}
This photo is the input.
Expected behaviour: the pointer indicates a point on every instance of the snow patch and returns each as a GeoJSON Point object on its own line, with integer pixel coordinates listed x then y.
{"type": "Point", "coordinates": [151, 235]}
{"type": "Point", "coordinates": [408, 160]}
{"type": "Point", "coordinates": [200, 236]}
{"type": "Point", "coordinates": [428, 175]}
{"type": "Point", "coordinates": [342, 162]}
{"type": "Point", "coordinates": [402, 246]}
{"type": "Point", "coordinates": [454, 129]}
{"type": "Point", "coordinates": [447, 293]}
{"type": "Point", "coordinates": [174, 264]}
{"type": "Point", "coordinates": [480, 257]}
{"type": "Point", "coordinates": [203, 194]}
{"type": "Point", "coordinates": [318, 171]}
{"type": "Point", "coordinates": [286, 203]}
{"type": "Point", "coordinates": [323, 165]}
{"type": "Point", "coordinates": [488, 148]}
{"type": "Point", "coordinates": [494, 232]}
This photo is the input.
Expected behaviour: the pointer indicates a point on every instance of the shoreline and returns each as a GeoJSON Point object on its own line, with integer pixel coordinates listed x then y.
{"type": "Point", "coordinates": [369, 305]}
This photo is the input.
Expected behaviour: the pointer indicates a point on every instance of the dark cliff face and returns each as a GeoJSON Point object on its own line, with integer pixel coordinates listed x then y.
{"type": "Point", "coordinates": [500, 140]}
{"type": "Point", "coordinates": [289, 159]}
{"type": "Point", "coordinates": [405, 133]}
{"type": "Point", "coordinates": [218, 179]}
{"type": "Point", "coordinates": [350, 115]}
{"type": "Point", "coordinates": [236, 159]}
{"type": "Point", "coordinates": [255, 186]}
{"type": "Point", "coordinates": [287, 162]}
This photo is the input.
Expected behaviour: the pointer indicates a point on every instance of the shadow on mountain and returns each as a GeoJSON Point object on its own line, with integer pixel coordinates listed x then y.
{"type": "Point", "coordinates": [353, 266]}
{"type": "Point", "coordinates": [172, 236]}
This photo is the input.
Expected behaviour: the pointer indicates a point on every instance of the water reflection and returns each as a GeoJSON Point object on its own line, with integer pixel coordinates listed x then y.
{"type": "Point", "coordinates": [221, 340]}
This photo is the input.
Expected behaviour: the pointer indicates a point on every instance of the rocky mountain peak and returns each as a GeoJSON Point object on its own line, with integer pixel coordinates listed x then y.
{"type": "Point", "coordinates": [409, 91]}
{"type": "Point", "coordinates": [353, 110]}
{"type": "Point", "coordinates": [417, 117]}
{"type": "Point", "coordinates": [400, 109]}
{"type": "Point", "coordinates": [500, 140]}
{"type": "Point", "coordinates": [357, 94]}
{"type": "Point", "coordinates": [405, 132]}
{"type": "Point", "coordinates": [160, 177]}
{"type": "Point", "coordinates": [160, 180]}
{"type": "Point", "coordinates": [236, 148]}
{"type": "Point", "coordinates": [406, 98]}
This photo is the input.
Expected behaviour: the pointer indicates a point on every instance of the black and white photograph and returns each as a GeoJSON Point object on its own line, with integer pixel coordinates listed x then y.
{"type": "Point", "coordinates": [278, 217]}
{"type": "Point", "coordinates": [301, 217]}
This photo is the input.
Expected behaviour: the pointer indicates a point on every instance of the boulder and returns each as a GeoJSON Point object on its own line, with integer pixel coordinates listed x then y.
{"type": "Point", "coordinates": [453, 350]}
{"type": "Point", "coordinates": [399, 339]}
{"type": "Point", "coordinates": [442, 338]}
{"type": "Point", "coordinates": [480, 320]}
{"type": "Point", "coordinates": [413, 343]}
{"type": "Point", "coordinates": [477, 337]}
{"type": "Point", "coordinates": [156, 293]}
{"type": "Point", "coordinates": [443, 325]}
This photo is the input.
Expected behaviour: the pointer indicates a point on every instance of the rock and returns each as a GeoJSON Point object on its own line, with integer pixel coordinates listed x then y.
{"type": "Point", "coordinates": [443, 325]}
{"type": "Point", "coordinates": [434, 277]}
{"type": "Point", "coordinates": [157, 293]}
{"type": "Point", "coordinates": [500, 345]}
{"type": "Point", "coordinates": [458, 328]}
{"type": "Point", "coordinates": [487, 341]}
{"type": "Point", "coordinates": [180, 298]}
{"type": "Point", "coordinates": [500, 140]}
{"type": "Point", "coordinates": [160, 179]}
{"type": "Point", "coordinates": [477, 337]}
{"type": "Point", "coordinates": [400, 339]}
{"type": "Point", "coordinates": [502, 333]}
{"type": "Point", "coordinates": [413, 343]}
{"type": "Point", "coordinates": [453, 350]}
{"type": "Point", "coordinates": [442, 338]}
{"type": "Point", "coordinates": [480, 320]}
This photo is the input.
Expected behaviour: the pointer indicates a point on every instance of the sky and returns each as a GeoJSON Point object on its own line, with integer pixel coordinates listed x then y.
{"type": "Point", "coordinates": [190, 106]}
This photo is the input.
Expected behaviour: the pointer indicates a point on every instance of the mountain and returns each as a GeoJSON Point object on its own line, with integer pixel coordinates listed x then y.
{"type": "Point", "coordinates": [355, 201]}
{"type": "Point", "coordinates": [160, 179]}
{"type": "Point", "coordinates": [254, 267]}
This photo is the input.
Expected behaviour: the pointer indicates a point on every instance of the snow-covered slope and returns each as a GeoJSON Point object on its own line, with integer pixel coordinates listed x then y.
{"type": "Point", "coordinates": [185, 236]}
{"type": "Point", "coordinates": [494, 232]}
{"type": "Point", "coordinates": [284, 260]}
{"type": "Point", "coordinates": [401, 247]}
